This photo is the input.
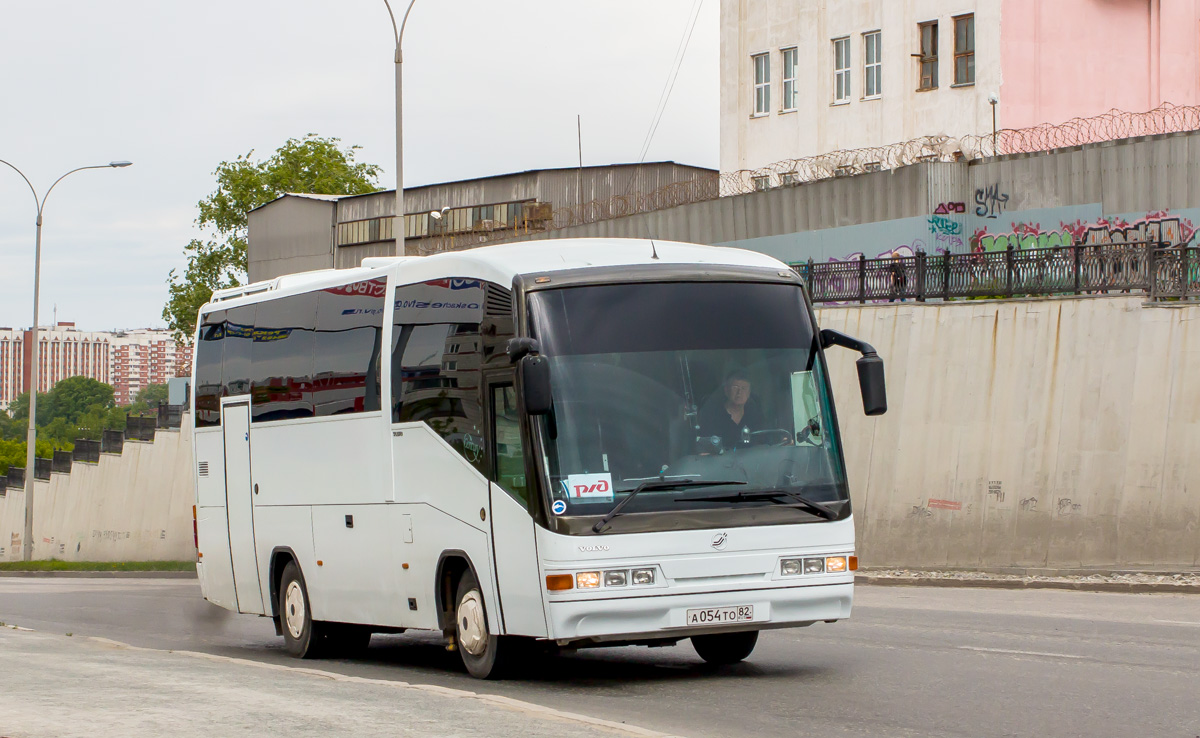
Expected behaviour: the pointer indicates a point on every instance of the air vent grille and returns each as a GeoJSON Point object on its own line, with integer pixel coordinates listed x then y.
{"type": "Point", "coordinates": [499, 302]}
{"type": "Point", "coordinates": [203, 468]}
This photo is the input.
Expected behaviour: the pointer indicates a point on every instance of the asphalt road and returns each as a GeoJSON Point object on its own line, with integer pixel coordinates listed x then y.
{"type": "Point", "coordinates": [911, 662]}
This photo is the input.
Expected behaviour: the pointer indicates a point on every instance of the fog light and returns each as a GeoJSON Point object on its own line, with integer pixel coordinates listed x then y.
{"type": "Point", "coordinates": [814, 566]}
{"type": "Point", "coordinates": [643, 576]}
{"type": "Point", "coordinates": [615, 578]}
{"type": "Point", "coordinates": [835, 563]}
{"type": "Point", "coordinates": [792, 567]}
{"type": "Point", "coordinates": [587, 579]}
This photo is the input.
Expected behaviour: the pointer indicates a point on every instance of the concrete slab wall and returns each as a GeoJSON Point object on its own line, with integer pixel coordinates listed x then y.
{"type": "Point", "coordinates": [132, 506]}
{"type": "Point", "coordinates": [1053, 433]}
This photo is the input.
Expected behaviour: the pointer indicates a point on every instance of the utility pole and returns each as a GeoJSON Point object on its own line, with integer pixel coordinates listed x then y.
{"type": "Point", "coordinates": [398, 223]}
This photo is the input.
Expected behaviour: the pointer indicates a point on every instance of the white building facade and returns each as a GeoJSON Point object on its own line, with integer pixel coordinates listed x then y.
{"type": "Point", "coordinates": [801, 78]}
{"type": "Point", "coordinates": [142, 357]}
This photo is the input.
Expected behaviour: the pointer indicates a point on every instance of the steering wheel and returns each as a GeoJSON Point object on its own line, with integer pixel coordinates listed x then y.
{"type": "Point", "coordinates": [763, 437]}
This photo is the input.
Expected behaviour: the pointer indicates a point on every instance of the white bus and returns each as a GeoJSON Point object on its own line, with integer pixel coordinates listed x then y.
{"type": "Point", "coordinates": [577, 442]}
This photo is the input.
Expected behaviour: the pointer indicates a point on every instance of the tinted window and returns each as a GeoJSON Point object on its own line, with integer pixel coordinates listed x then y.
{"type": "Point", "coordinates": [283, 358]}
{"type": "Point", "coordinates": [436, 353]}
{"type": "Point", "coordinates": [239, 340]}
{"type": "Point", "coordinates": [208, 370]}
{"type": "Point", "coordinates": [347, 348]}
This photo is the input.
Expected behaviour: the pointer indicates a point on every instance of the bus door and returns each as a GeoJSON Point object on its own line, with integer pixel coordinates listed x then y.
{"type": "Point", "coordinates": [513, 542]}
{"type": "Point", "coordinates": [239, 505]}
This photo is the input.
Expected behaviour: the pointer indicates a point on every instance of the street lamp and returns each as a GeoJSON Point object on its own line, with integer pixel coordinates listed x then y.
{"type": "Point", "coordinates": [398, 223]}
{"type": "Point", "coordinates": [994, 100]}
{"type": "Point", "coordinates": [31, 438]}
{"type": "Point", "coordinates": [438, 216]}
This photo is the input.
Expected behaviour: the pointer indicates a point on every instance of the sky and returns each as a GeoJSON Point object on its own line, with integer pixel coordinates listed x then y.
{"type": "Point", "coordinates": [490, 86]}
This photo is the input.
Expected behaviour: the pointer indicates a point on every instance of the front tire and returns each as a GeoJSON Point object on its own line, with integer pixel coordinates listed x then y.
{"type": "Point", "coordinates": [302, 636]}
{"type": "Point", "coordinates": [483, 653]}
{"type": "Point", "coordinates": [725, 648]}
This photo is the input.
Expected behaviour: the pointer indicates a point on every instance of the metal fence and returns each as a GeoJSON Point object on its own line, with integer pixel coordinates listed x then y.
{"type": "Point", "coordinates": [86, 451]}
{"type": "Point", "coordinates": [1159, 270]}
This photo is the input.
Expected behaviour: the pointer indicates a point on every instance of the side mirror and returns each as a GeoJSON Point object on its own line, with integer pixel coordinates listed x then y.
{"type": "Point", "coordinates": [534, 374]}
{"type": "Point", "coordinates": [871, 384]}
{"type": "Point", "coordinates": [870, 370]}
{"type": "Point", "coordinates": [518, 348]}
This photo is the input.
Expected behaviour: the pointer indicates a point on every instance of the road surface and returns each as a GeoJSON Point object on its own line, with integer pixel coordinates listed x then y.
{"type": "Point", "coordinates": [910, 662]}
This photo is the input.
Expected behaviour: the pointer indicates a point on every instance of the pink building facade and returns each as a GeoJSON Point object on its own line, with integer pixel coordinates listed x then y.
{"type": "Point", "coordinates": [1064, 59]}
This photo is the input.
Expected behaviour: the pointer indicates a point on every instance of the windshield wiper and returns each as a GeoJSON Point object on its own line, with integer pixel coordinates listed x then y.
{"type": "Point", "coordinates": [768, 494]}
{"type": "Point", "coordinates": [653, 485]}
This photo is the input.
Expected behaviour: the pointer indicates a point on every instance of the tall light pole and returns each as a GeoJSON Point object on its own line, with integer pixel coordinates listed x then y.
{"type": "Point", "coordinates": [31, 437]}
{"type": "Point", "coordinates": [398, 223]}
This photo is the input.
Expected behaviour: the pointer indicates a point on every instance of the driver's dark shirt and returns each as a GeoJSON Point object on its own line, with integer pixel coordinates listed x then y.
{"type": "Point", "coordinates": [715, 421]}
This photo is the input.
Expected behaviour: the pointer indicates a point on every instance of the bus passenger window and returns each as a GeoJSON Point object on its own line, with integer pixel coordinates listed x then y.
{"type": "Point", "coordinates": [283, 358]}
{"type": "Point", "coordinates": [347, 348]}
{"type": "Point", "coordinates": [507, 449]}
{"type": "Point", "coordinates": [239, 340]}
{"type": "Point", "coordinates": [208, 370]}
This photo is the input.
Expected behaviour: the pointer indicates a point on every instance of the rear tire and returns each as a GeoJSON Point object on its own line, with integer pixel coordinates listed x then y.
{"type": "Point", "coordinates": [725, 648]}
{"type": "Point", "coordinates": [486, 655]}
{"type": "Point", "coordinates": [303, 637]}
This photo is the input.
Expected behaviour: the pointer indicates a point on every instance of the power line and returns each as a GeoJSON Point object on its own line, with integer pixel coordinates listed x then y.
{"type": "Point", "coordinates": [676, 65]}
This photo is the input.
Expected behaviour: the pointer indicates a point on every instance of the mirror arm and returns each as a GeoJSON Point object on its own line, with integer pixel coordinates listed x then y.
{"type": "Point", "coordinates": [519, 348]}
{"type": "Point", "coordinates": [830, 337]}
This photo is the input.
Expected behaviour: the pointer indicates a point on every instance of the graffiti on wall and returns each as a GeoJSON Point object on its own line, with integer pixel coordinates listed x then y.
{"type": "Point", "coordinates": [1159, 225]}
{"type": "Point", "coordinates": [990, 201]}
{"type": "Point", "coordinates": [951, 208]}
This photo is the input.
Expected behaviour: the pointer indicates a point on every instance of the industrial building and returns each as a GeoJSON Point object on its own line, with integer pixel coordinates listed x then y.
{"type": "Point", "coordinates": [299, 232]}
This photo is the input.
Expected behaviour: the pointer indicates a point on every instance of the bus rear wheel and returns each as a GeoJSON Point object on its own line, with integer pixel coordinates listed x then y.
{"type": "Point", "coordinates": [725, 648]}
{"type": "Point", "coordinates": [302, 636]}
{"type": "Point", "coordinates": [484, 654]}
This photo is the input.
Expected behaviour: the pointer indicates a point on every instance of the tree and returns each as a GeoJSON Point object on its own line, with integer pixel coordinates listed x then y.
{"type": "Point", "coordinates": [151, 395]}
{"type": "Point", "coordinates": [312, 164]}
{"type": "Point", "coordinates": [67, 400]}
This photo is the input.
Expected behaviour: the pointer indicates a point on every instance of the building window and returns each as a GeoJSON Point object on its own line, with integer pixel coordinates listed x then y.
{"type": "Point", "coordinates": [929, 56]}
{"type": "Point", "coordinates": [964, 50]}
{"type": "Point", "coordinates": [791, 58]}
{"type": "Point", "coordinates": [762, 84]}
{"type": "Point", "coordinates": [788, 179]}
{"type": "Point", "coordinates": [762, 182]}
{"type": "Point", "coordinates": [841, 70]}
{"type": "Point", "coordinates": [872, 65]}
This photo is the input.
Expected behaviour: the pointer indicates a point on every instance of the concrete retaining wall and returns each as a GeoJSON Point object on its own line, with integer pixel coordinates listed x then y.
{"type": "Point", "coordinates": [1051, 433]}
{"type": "Point", "coordinates": [132, 506]}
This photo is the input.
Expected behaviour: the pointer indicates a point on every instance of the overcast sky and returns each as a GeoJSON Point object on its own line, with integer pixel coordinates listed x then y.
{"type": "Point", "coordinates": [491, 86]}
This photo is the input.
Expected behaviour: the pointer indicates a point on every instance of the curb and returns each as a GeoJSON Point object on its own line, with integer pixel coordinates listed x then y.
{"type": "Point", "coordinates": [103, 574]}
{"type": "Point", "coordinates": [1129, 587]}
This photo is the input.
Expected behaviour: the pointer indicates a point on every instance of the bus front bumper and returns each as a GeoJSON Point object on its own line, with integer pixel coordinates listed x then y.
{"type": "Point", "coordinates": [666, 616]}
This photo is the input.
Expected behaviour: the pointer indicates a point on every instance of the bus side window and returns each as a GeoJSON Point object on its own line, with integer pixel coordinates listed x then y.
{"type": "Point", "coordinates": [208, 370]}
{"type": "Point", "coordinates": [507, 450]}
{"type": "Point", "coordinates": [282, 364]}
{"type": "Point", "coordinates": [347, 348]}
{"type": "Point", "coordinates": [239, 340]}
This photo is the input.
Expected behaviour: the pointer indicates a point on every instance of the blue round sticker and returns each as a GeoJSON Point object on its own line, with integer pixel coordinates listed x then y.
{"type": "Point", "coordinates": [559, 507]}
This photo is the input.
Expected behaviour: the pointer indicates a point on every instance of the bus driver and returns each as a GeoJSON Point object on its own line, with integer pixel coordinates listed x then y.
{"type": "Point", "coordinates": [731, 416]}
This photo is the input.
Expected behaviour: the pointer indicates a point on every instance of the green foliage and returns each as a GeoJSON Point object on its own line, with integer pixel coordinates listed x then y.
{"type": "Point", "coordinates": [76, 407]}
{"type": "Point", "coordinates": [313, 164]}
{"type": "Point", "coordinates": [151, 395]}
{"type": "Point", "coordinates": [12, 453]}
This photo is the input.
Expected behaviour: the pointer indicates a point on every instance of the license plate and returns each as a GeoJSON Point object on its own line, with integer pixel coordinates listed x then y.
{"type": "Point", "coordinates": [719, 615]}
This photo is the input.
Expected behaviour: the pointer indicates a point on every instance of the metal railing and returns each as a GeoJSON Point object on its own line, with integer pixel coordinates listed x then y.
{"type": "Point", "coordinates": [1157, 269]}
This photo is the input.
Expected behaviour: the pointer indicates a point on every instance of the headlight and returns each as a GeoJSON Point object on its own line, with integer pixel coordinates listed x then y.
{"type": "Point", "coordinates": [792, 567]}
{"type": "Point", "coordinates": [616, 578]}
{"type": "Point", "coordinates": [811, 566]}
{"type": "Point", "coordinates": [835, 563]}
{"type": "Point", "coordinates": [643, 576]}
{"type": "Point", "coordinates": [587, 579]}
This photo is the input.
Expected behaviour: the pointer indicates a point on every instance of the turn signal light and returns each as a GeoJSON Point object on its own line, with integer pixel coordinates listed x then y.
{"type": "Point", "coordinates": [559, 582]}
{"type": "Point", "coordinates": [853, 563]}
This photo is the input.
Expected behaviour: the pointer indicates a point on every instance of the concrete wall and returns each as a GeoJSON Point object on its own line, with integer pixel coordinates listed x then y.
{"type": "Point", "coordinates": [1053, 433]}
{"type": "Point", "coordinates": [132, 506]}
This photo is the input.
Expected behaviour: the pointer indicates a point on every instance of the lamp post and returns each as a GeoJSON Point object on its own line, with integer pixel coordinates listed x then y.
{"type": "Point", "coordinates": [398, 223]}
{"type": "Point", "coordinates": [994, 100]}
{"type": "Point", "coordinates": [31, 437]}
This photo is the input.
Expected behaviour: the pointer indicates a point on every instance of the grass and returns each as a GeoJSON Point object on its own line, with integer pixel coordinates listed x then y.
{"type": "Point", "coordinates": [53, 565]}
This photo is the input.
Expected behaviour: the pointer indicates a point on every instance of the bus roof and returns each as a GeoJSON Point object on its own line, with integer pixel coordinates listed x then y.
{"type": "Point", "coordinates": [500, 264]}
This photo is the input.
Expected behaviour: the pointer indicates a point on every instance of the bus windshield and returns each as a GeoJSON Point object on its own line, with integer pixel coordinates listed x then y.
{"type": "Point", "coordinates": [700, 383]}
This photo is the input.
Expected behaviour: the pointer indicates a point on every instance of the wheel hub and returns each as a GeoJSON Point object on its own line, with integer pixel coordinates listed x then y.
{"type": "Point", "coordinates": [472, 630]}
{"type": "Point", "coordinates": [293, 609]}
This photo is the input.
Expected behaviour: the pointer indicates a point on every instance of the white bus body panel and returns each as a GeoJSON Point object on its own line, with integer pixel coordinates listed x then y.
{"type": "Point", "coordinates": [691, 573]}
{"type": "Point", "coordinates": [215, 569]}
{"type": "Point", "coordinates": [239, 503]}
{"type": "Point", "coordinates": [517, 572]}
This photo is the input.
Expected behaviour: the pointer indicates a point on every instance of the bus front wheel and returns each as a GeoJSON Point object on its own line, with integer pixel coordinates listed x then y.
{"type": "Point", "coordinates": [725, 648]}
{"type": "Point", "coordinates": [483, 653]}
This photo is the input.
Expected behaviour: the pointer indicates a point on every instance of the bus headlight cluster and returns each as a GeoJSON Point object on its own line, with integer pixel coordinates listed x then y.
{"type": "Point", "coordinates": [594, 579]}
{"type": "Point", "coordinates": [818, 565]}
